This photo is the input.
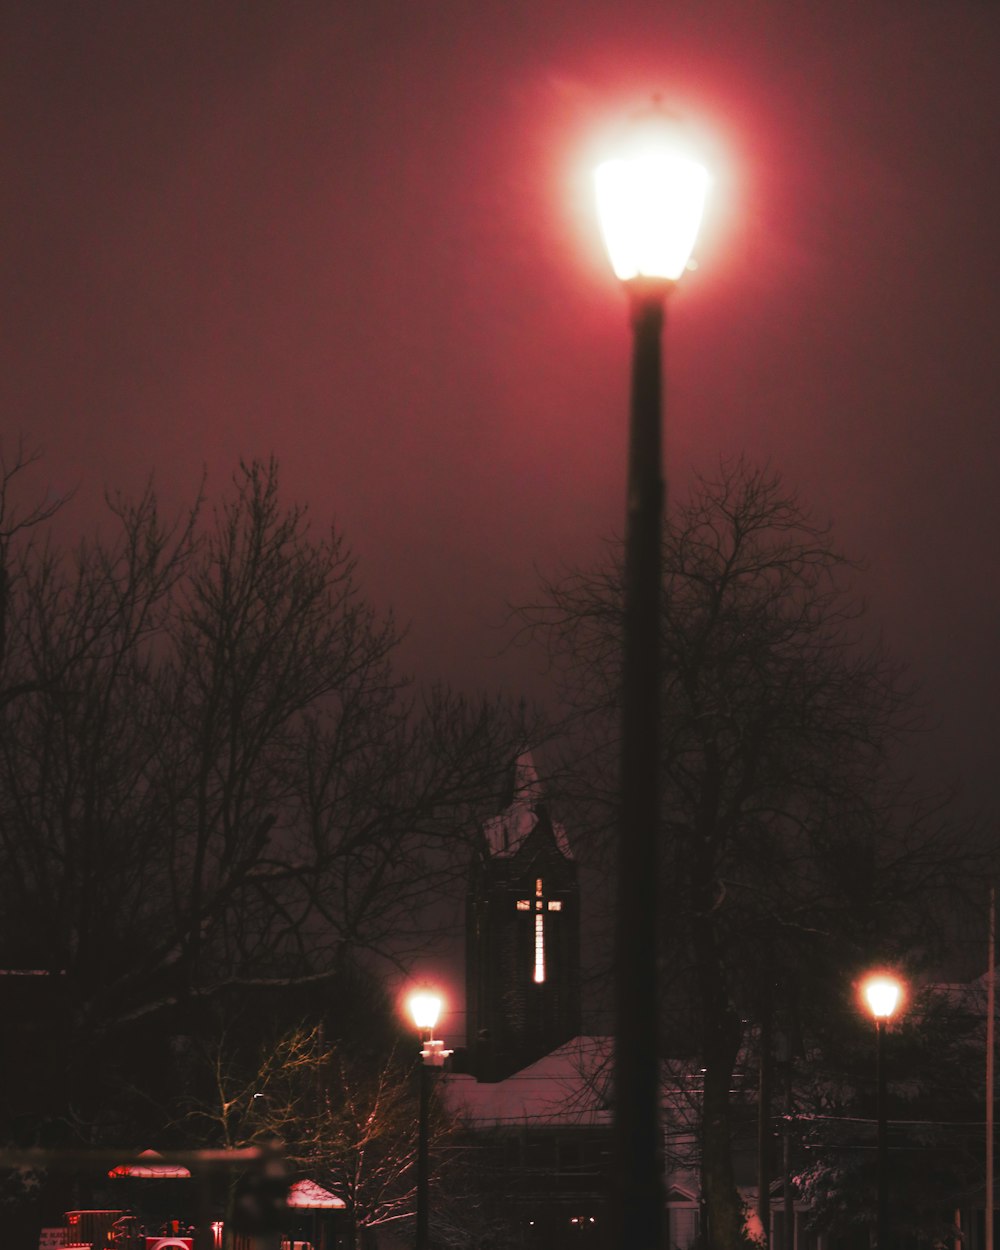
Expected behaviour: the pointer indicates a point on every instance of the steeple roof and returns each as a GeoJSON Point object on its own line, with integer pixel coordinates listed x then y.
{"type": "Point", "coordinates": [526, 808]}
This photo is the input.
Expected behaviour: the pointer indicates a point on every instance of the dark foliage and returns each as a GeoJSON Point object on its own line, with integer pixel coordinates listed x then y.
{"type": "Point", "coordinates": [216, 791]}
{"type": "Point", "coordinates": [795, 848]}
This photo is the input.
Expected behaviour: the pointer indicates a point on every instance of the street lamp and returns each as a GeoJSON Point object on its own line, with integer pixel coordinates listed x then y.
{"type": "Point", "coordinates": [425, 1008]}
{"type": "Point", "coordinates": [650, 200]}
{"type": "Point", "coordinates": [883, 994]}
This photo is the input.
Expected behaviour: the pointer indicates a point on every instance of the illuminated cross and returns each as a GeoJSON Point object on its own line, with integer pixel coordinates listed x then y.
{"type": "Point", "coordinates": [539, 905]}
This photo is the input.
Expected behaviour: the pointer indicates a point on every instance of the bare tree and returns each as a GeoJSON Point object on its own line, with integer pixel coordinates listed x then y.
{"type": "Point", "coordinates": [17, 521]}
{"type": "Point", "coordinates": [792, 846]}
{"type": "Point", "coordinates": [345, 1117]}
{"type": "Point", "coordinates": [213, 777]}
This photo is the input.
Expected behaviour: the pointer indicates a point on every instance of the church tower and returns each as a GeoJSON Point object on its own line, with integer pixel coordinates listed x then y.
{"type": "Point", "coordinates": [522, 934]}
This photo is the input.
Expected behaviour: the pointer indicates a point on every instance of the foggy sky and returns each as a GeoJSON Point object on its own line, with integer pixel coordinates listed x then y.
{"type": "Point", "coordinates": [361, 236]}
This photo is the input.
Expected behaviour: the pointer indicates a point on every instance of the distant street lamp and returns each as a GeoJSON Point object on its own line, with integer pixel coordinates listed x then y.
{"type": "Point", "coordinates": [650, 202]}
{"type": "Point", "coordinates": [883, 995]}
{"type": "Point", "coordinates": [425, 1008]}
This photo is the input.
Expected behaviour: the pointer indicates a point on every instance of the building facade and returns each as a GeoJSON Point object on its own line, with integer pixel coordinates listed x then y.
{"type": "Point", "coordinates": [522, 934]}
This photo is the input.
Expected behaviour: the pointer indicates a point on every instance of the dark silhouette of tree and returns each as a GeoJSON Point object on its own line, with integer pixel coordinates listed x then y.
{"type": "Point", "coordinates": [935, 1057]}
{"type": "Point", "coordinates": [16, 525]}
{"type": "Point", "coordinates": [212, 779]}
{"type": "Point", "coordinates": [345, 1113]}
{"type": "Point", "coordinates": [793, 849]}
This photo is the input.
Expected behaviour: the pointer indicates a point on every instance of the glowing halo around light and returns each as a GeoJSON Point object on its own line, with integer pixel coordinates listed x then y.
{"type": "Point", "coordinates": [425, 1008]}
{"type": "Point", "coordinates": [650, 207]}
{"type": "Point", "coordinates": [882, 994]}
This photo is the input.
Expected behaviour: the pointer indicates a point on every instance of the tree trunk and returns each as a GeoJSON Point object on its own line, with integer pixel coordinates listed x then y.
{"type": "Point", "coordinates": [722, 1204]}
{"type": "Point", "coordinates": [765, 1069]}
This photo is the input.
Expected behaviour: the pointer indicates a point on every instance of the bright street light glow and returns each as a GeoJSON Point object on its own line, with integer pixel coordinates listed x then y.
{"type": "Point", "coordinates": [425, 1008]}
{"type": "Point", "coordinates": [882, 993]}
{"type": "Point", "coordinates": [650, 206]}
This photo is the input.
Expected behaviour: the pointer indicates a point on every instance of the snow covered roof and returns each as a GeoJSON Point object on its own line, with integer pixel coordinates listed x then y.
{"type": "Point", "coordinates": [306, 1193]}
{"type": "Point", "coordinates": [569, 1087]}
{"type": "Point", "coordinates": [505, 834]}
{"type": "Point", "coordinates": [565, 1087]}
{"type": "Point", "coordinates": [150, 1168]}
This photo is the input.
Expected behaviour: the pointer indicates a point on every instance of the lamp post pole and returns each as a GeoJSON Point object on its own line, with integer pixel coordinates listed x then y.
{"type": "Point", "coordinates": [638, 1155]}
{"type": "Point", "coordinates": [883, 994]}
{"type": "Point", "coordinates": [423, 1201]}
{"type": "Point", "coordinates": [881, 1143]}
{"type": "Point", "coordinates": [425, 1007]}
{"type": "Point", "coordinates": [650, 201]}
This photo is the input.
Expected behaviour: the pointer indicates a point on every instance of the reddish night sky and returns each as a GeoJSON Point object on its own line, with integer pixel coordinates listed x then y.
{"type": "Point", "coordinates": [360, 235]}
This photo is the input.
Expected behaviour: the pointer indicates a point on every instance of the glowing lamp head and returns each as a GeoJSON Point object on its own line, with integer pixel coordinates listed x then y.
{"type": "Point", "coordinates": [650, 201]}
{"type": "Point", "coordinates": [425, 1008]}
{"type": "Point", "coordinates": [882, 994]}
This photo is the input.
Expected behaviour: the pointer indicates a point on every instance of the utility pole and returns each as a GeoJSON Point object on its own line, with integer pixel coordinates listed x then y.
{"type": "Point", "coordinates": [990, 1047]}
